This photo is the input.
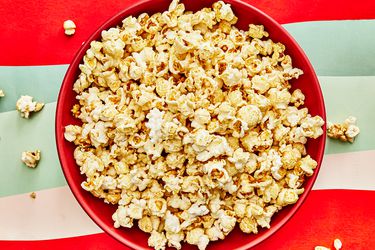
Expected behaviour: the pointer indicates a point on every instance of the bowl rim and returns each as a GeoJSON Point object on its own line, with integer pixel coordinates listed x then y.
{"type": "Point", "coordinates": [59, 136]}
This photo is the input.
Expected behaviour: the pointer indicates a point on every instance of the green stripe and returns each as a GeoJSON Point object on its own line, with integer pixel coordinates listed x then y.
{"type": "Point", "coordinates": [18, 135]}
{"type": "Point", "coordinates": [346, 96]}
{"type": "Point", "coordinates": [338, 48]}
{"type": "Point", "coordinates": [41, 82]}
{"type": "Point", "coordinates": [343, 96]}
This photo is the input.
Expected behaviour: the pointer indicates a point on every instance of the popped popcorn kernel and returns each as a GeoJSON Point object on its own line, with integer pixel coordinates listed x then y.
{"type": "Point", "coordinates": [25, 106]}
{"type": "Point", "coordinates": [322, 248]}
{"type": "Point", "coordinates": [157, 240]}
{"type": "Point", "coordinates": [69, 27]}
{"type": "Point", "coordinates": [31, 158]}
{"type": "Point", "coordinates": [337, 244]}
{"type": "Point", "coordinates": [346, 131]}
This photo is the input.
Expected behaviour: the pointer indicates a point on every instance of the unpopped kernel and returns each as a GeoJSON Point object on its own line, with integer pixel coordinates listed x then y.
{"type": "Point", "coordinates": [189, 125]}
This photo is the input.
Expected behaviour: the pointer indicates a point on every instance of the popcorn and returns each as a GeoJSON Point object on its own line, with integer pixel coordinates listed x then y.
{"type": "Point", "coordinates": [201, 118]}
{"type": "Point", "coordinates": [33, 195]}
{"type": "Point", "coordinates": [298, 98]}
{"type": "Point", "coordinates": [288, 196]}
{"type": "Point", "coordinates": [293, 180]}
{"type": "Point", "coordinates": [155, 121]}
{"type": "Point", "coordinates": [311, 126]}
{"type": "Point", "coordinates": [174, 239]}
{"type": "Point", "coordinates": [2, 93]}
{"type": "Point", "coordinates": [69, 27]}
{"type": "Point", "coordinates": [98, 134]}
{"type": "Point", "coordinates": [157, 206]}
{"type": "Point", "coordinates": [189, 125]}
{"type": "Point", "coordinates": [337, 244]}
{"type": "Point", "coordinates": [240, 208]}
{"type": "Point", "coordinates": [257, 31]}
{"type": "Point", "coordinates": [181, 203]}
{"type": "Point", "coordinates": [172, 223]}
{"type": "Point", "coordinates": [198, 210]}
{"type": "Point", "coordinates": [225, 112]}
{"type": "Point", "coordinates": [218, 146]}
{"type": "Point", "coordinates": [279, 99]}
{"type": "Point", "coordinates": [347, 131]}
{"type": "Point", "coordinates": [136, 208]}
{"type": "Point", "coordinates": [249, 225]}
{"type": "Point", "coordinates": [260, 83]}
{"type": "Point", "coordinates": [25, 106]}
{"type": "Point", "coordinates": [214, 233]}
{"type": "Point", "coordinates": [122, 218]}
{"type": "Point", "coordinates": [307, 164]}
{"type": "Point", "coordinates": [145, 224]}
{"type": "Point", "coordinates": [157, 240]}
{"type": "Point", "coordinates": [198, 238]}
{"type": "Point", "coordinates": [276, 165]}
{"type": "Point", "coordinates": [250, 114]}
{"type": "Point", "coordinates": [224, 12]}
{"type": "Point", "coordinates": [321, 248]}
{"type": "Point", "coordinates": [239, 158]}
{"type": "Point", "coordinates": [71, 132]}
{"type": "Point", "coordinates": [226, 222]}
{"type": "Point", "coordinates": [172, 183]}
{"type": "Point", "coordinates": [31, 158]}
{"type": "Point", "coordinates": [231, 76]}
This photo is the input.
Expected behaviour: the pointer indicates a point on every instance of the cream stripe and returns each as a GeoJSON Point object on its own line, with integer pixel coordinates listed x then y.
{"type": "Point", "coordinates": [53, 214]}
{"type": "Point", "coordinates": [354, 170]}
{"type": "Point", "coordinates": [56, 214]}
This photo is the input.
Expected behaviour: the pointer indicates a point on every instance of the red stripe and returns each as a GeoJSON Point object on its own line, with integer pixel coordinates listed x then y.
{"type": "Point", "coordinates": [32, 33]}
{"type": "Point", "coordinates": [327, 214]}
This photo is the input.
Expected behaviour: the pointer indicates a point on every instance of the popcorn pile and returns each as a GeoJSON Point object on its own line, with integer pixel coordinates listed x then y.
{"type": "Point", "coordinates": [347, 131]}
{"type": "Point", "coordinates": [189, 125]}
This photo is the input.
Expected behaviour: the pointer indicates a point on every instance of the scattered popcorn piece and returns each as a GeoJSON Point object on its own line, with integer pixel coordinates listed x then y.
{"type": "Point", "coordinates": [189, 125]}
{"type": "Point", "coordinates": [321, 248]}
{"type": "Point", "coordinates": [33, 195]}
{"type": "Point", "coordinates": [69, 27]}
{"type": "Point", "coordinates": [346, 131]}
{"type": "Point", "coordinates": [25, 106]}
{"type": "Point", "coordinates": [2, 93]}
{"type": "Point", "coordinates": [337, 244]}
{"type": "Point", "coordinates": [31, 158]}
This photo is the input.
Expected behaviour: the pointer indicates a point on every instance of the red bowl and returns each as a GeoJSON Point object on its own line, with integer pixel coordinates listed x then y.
{"type": "Point", "coordinates": [100, 212]}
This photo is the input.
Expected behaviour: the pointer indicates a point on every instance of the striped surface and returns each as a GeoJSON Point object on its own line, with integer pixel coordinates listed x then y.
{"type": "Point", "coordinates": [340, 48]}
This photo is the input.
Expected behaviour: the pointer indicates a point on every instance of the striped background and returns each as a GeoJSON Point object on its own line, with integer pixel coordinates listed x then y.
{"type": "Point", "coordinates": [338, 36]}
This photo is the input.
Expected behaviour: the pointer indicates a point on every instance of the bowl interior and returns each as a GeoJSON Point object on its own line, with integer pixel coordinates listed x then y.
{"type": "Point", "coordinates": [100, 212]}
